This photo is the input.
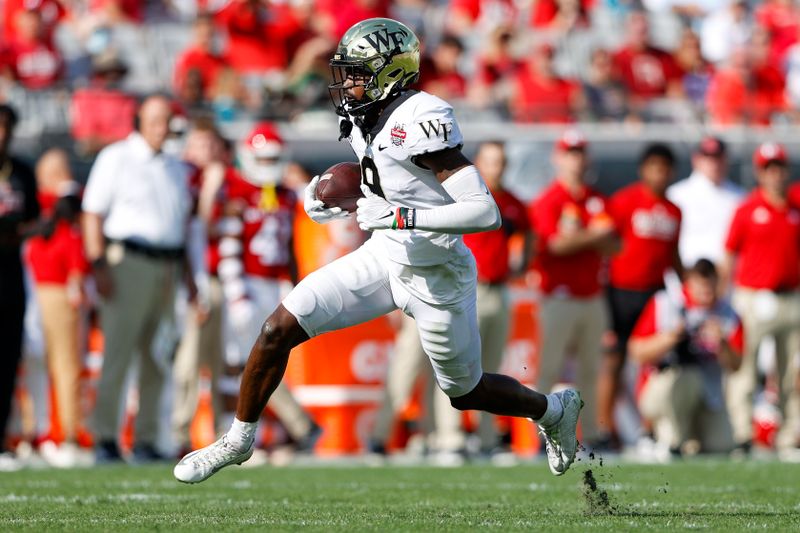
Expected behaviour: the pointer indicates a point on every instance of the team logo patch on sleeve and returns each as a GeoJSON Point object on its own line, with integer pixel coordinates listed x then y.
{"type": "Point", "coordinates": [398, 135]}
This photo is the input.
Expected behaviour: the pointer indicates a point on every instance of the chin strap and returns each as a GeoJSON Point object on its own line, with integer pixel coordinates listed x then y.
{"type": "Point", "coordinates": [345, 128]}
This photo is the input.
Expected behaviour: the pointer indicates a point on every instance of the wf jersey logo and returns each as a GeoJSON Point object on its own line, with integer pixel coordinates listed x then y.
{"type": "Point", "coordinates": [436, 128]}
{"type": "Point", "coordinates": [384, 41]}
{"type": "Point", "coordinates": [398, 135]}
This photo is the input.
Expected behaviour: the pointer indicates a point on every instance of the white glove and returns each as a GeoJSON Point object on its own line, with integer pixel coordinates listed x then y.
{"type": "Point", "coordinates": [375, 213]}
{"type": "Point", "coordinates": [316, 209]}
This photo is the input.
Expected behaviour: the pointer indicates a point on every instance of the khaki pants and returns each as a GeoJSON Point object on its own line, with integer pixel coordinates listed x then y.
{"type": "Point", "coordinates": [674, 400]}
{"type": "Point", "coordinates": [405, 366]}
{"type": "Point", "coordinates": [60, 322]}
{"type": "Point", "coordinates": [764, 313]}
{"type": "Point", "coordinates": [574, 325]}
{"type": "Point", "coordinates": [144, 294]}
{"type": "Point", "coordinates": [200, 346]}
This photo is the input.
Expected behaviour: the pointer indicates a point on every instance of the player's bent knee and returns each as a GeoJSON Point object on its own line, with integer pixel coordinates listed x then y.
{"type": "Point", "coordinates": [470, 400]}
{"type": "Point", "coordinates": [280, 332]}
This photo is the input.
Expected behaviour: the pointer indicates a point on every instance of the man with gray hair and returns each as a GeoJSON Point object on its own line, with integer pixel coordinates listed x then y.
{"type": "Point", "coordinates": [137, 204]}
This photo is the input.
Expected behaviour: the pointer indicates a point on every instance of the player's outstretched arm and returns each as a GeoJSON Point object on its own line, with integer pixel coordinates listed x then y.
{"type": "Point", "coordinates": [316, 209]}
{"type": "Point", "coordinates": [474, 209]}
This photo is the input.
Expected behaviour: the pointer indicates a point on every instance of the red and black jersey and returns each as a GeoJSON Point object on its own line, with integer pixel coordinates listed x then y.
{"type": "Point", "coordinates": [267, 216]}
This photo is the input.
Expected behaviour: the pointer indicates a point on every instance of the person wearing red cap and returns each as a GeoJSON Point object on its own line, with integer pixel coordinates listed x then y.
{"type": "Point", "coordinates": [252, 228]}
{"type": "Point", "coordinates": [648, 225]}
{"type": "Point", "coordinates": [707, 200]}
{"type": "Point", "coordinates": [763, 255]}
{"type": "Point", "coordinates": [574, 231]}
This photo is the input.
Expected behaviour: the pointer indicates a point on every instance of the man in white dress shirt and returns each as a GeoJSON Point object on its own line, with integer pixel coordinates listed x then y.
{"type": "Point", "coordinates": [137, 203]}
{"type": "Point", "coordinates": [707, 200]}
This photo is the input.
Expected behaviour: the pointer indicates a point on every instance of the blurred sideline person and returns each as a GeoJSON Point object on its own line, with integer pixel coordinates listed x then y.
{"type": "Point", "coordinates": [494, 313]}
{"type": "Point", "coordinates": [255, 225]}
{"type": "Point", "coordinates": [421, 195]}
{"type": "Point", "coordinates": [707, 200]}
{"type": "Point", "coordinates": [136, 211]}
{"type": "Point", "coordinates": [574, 232]}
{"type": "Point", "coordinates": [648, 225]}
{"type": "Point", "coordinates": [406, 365]}
{"type": "Point", "coordinates": [201, 344]}
{"type": "Point", "coordinates": [491, 251]}
{"type": "Point", "coordinates": [685, 342]}
{"type": "Point", "coordinates": [58, 266]}
{"type": "Point", "coordinates": [763, 260]}
{"type": "Point", "coordinates": [18, 209]}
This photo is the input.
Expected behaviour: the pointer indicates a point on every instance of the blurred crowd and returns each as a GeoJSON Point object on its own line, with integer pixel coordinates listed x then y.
{"type": "Point", "coordinates": [716, 62]}
{"type": "Point", "coordinates": [674, 304]}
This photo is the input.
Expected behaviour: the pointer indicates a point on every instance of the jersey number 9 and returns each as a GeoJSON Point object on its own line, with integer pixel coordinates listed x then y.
{"type": "Point", "coordinates": [370, 177]}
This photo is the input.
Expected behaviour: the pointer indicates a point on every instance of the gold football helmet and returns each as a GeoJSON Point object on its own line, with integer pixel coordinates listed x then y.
{"type": "Point", "coordinates": [382, 55]}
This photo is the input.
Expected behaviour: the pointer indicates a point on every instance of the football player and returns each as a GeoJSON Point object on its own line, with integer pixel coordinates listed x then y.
{"type": "Point", "coordinates": [422, 194]}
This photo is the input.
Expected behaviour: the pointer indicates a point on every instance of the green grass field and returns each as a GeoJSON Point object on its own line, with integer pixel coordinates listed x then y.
{"type": "Point", "coordinates": [711, 495]}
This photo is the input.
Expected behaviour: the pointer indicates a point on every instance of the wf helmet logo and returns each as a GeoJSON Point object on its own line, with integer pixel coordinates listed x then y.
{"type": "Point", "coordinates": [385, 41]}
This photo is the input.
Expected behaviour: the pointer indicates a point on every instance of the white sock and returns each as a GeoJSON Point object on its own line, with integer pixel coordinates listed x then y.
{"type": "Point", "coordinates": [242, 434]}
{"type": "Point", "coordinates": [553, 412]}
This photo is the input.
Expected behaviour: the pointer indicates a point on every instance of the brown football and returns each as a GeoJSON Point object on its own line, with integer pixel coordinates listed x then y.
{"type": "Point", "coordinates": [340, 186]}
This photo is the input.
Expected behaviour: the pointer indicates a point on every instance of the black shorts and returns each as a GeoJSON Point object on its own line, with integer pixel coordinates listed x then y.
{"type": "Point", "coordinates": [625, 307]}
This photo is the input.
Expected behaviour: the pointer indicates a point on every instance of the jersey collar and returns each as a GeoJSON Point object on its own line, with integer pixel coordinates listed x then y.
{"type": "Point", "coordinates": [383, 118]}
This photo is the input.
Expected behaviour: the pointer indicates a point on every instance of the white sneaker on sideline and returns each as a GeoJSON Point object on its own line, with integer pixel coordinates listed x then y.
{"type": "Point", "coordinates": [64, 455]}
{"type": "Point", "coordinates": [203, 463]}
{"type": "Point", "coordinates": [9, 462]}
{"type": "Point", "coordinates": [560, 439]}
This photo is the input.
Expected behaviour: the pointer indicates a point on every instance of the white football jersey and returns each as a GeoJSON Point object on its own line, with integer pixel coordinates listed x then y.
{"type": "Point", "coordinates": [413, 124]}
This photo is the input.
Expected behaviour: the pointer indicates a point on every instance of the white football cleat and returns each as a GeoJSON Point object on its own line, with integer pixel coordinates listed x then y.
{"type": "Point", "coordinates": [203, 463]}
{"type": "Point", "coordinates": [560, 439]}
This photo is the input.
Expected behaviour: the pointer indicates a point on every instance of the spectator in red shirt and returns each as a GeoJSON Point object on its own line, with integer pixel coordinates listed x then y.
{"type": "Point", "coordinates": [649, 226]}
{"type": "Point", "coordinates": [35, 63]}
{"type": "Point", "coordinates": [464, 15]}
{"type": "Point", "coordinates": [440, 70]}
{"type": "Point", "coordinates": [560, 16]}
{"type": "Point", "coordinates": [51, 11]}
{"type": "Point", "coordinates": [574, 232]}
{"type": "Point", "coordinates": [684, 342]}
{"type": "Point", "coordinates": [257, 34]}
{"type": "Point", "coordinates": [496, 67]}
{"type": "Point", "coordinates": [55, 258]}
{"type": "Point", "coordinates": [646, 71]}
{"type": "Point", "coordinates": [763, 254]}
{"type": "Point", "coordinates": [750, 90]}
{"type": "Point", "coordinates": [540, 95]}
{"type": "Point", "coordinates": [337, 17]}
{"type": "Point", "coordinates": [199, 61]}
{"type": "Point", "coordinates": [102, 113]}
{"type": "Point", "coordinates": [781, 19]}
